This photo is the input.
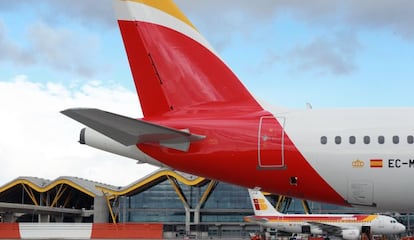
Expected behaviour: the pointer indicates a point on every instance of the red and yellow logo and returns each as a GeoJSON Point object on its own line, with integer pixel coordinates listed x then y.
{"type": "Point", "coordinates": [259, 204]}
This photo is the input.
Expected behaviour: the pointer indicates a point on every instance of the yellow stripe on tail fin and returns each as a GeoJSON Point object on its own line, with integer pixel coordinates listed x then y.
{"type": "Point", "coordinates": [166, 6]}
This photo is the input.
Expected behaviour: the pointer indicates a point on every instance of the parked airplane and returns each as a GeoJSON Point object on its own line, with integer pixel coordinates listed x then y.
{"type": "Point", "coordinates": [200, 119]}
{"type": "Point", "coordinates": [347, 226]}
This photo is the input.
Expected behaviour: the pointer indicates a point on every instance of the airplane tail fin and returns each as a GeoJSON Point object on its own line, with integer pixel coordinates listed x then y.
{"type": "Point", "coordinates": [261, 205]}
{"type": "Point", "coordinates": [175, 69]}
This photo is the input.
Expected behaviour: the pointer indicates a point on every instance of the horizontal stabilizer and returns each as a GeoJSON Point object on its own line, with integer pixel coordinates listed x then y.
{"type": "Point", "coordinates": [129, 131]}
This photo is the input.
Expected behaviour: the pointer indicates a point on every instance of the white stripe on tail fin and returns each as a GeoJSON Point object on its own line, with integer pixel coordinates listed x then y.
{"type": "Point", "coordinates": [261, 205]}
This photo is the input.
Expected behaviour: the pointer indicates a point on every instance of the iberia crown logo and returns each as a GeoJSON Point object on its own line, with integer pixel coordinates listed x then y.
{"type": "Point", "coordinates": [358, 164]}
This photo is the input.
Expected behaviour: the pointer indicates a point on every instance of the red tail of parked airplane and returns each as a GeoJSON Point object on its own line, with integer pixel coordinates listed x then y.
{"type": "Point", "coordinates": [200, 119]}
{"type": "Point", "coordinates": [174, 68]}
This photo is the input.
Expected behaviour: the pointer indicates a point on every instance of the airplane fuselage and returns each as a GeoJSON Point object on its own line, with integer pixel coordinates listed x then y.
{"type": "Point", "coordinates": [347, 226]}
{"type": "Point", "coordinates": [350, 226]}
{"type": "Point", "coordinates": [287, 154]}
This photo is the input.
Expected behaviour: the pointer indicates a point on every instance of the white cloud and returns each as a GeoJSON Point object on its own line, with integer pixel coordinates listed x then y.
{"type": "Point", "coordinates": [60, 48]}
{"type": "Point", "coordinates": [85, 12]}
{"type": "Point", "coordinates": [333, 54]}
{"type": "Point", "coordinates": [36, 140]}
{"type": "Point", "coordinates": [10, 51]}
{"type": "Point", "coordinates": [65, 49]}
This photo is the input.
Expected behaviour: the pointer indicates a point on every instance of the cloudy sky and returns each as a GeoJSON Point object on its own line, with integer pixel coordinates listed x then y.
{"type": "Point", "coordinates": [56, 54]}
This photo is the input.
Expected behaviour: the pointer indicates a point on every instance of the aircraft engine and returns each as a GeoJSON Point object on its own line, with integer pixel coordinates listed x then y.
{"type": "Point", "coordinates": [97, 140]}
{"type": "Point", "coordinates": [350, 234]}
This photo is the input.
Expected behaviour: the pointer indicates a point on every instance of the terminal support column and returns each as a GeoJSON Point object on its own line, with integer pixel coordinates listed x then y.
{"type": "Point", "coordinates": [100, 209]}
{"type": "Point", "coordinates": [180, 194]}
{"type": "Point", "coordinates": [44, 201]}
{"type": "Point", "coordinates": [203, 199]}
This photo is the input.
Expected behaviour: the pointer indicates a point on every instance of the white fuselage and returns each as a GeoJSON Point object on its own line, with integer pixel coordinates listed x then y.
{"type": "Point", "coordinates": [345, 225]}
{"type": "Point", "coordinates": [372, 174]}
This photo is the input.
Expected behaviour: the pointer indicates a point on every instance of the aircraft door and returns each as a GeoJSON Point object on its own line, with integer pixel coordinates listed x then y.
{"type": "Point", "coordinates": [306, 229]}
{"type": "Point", "coordinates": [366, 232]}
{"type": "Point", "coordinates": [271, 142]}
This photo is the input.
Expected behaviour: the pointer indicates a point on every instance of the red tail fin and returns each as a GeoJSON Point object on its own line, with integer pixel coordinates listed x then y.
{"type": "Point", "coordinates": [174, 68]}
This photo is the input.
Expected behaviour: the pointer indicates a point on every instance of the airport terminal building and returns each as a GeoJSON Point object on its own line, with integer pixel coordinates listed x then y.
{"type": "Point", "coordinates": [185, 205]}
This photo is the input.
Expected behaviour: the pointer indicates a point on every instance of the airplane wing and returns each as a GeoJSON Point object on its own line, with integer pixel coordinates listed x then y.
{"type": "Point", "coordinates": [328, 228]}
{"type": "Point", "coordinates": [129, 131]}
{"type": "Point", "coordinates": [254, 219]}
